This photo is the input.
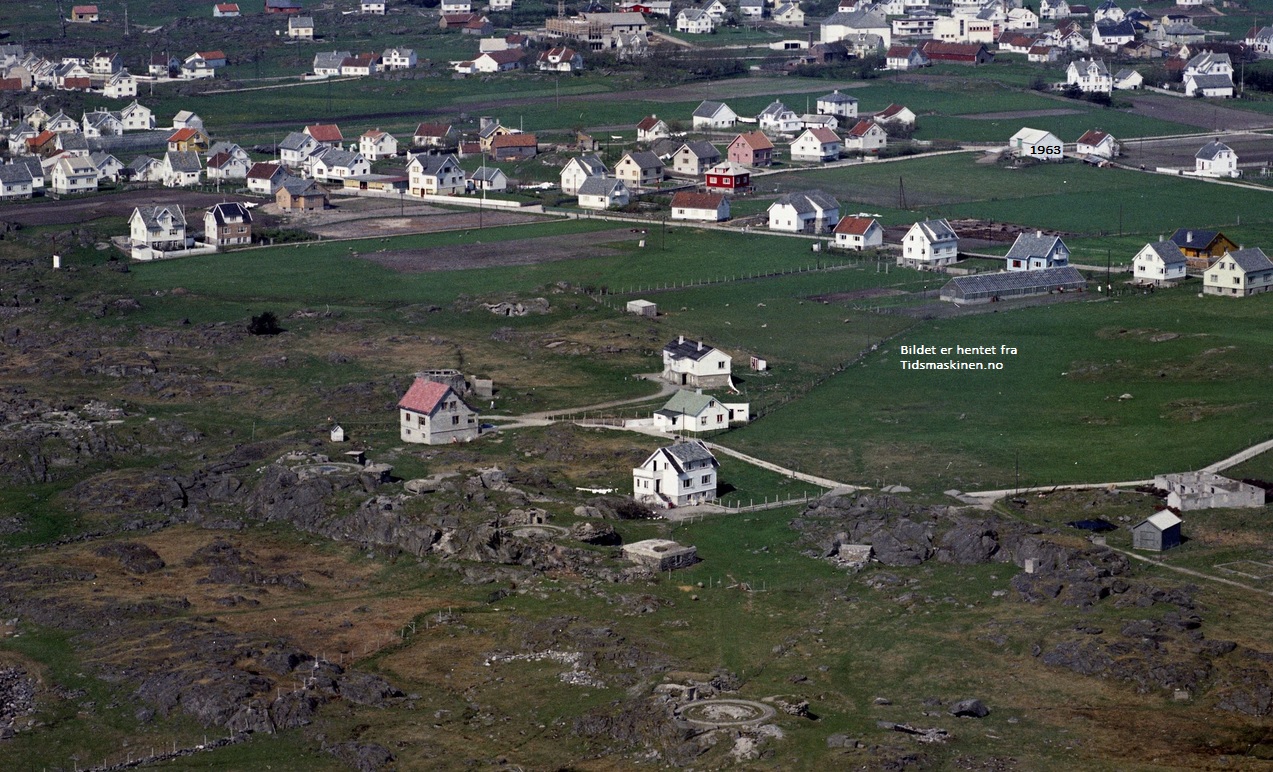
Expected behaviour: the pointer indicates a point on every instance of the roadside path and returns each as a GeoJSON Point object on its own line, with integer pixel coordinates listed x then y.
{"type": "Point", "coordinates": [1191, 572]}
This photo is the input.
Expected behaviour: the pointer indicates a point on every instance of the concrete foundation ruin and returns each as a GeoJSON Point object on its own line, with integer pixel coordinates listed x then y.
{"type": "Point", "coordinates": [661, 554]}
{"type": "Point", "coordinates": [1204, 490]}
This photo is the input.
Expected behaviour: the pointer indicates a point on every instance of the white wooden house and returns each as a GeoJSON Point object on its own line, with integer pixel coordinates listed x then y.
{"type": "Point", "coordinates": [1239, 273]}
{"type": "Point", "coordinates": [701, 207]}
{"type": "Point", "coordinates": [866, 137]}
{"type": "Point", "coordinates": [696, 364]}
{"type": "Point", "coordinates": [678, 475]}
{"type": "Point", "coordinates": [375, 145]}
{"type": "Point", "coordinates": [1160, 263]}
{"type": "Point", "coordinates": [602, 192]}
{"type": "Point", "coordinates": [1090, 75]}
{"type": "Point", "coordinates": [694, 411]}
{"type": "Point", "coordinates": [579, 169]}
{"type": "Point", "coordinates": [73, 174]}
{"type": "Point", "coordinates": [1216, 159]}
{"type": "Point", "coordinates": [713, 115]}
{"type": "Point", "coordinates": [837, 104]}
{"type": "Point", "coordinates": [858, 232]}
{"type": "Point", "coordinates": [807, 211]}
{"type": "Point", "coordinates": [1037, 251]}
{"type": "Point", "coordinates": [162, 228]}
{"type": "Point", "coordinates": [929, 244]}
{"type": "Point", "coordinates": [435, 175]}
{"type": "Point", "coordinates": [1097, 143]}
{"type": "Point", "coordinates": [816, 145]}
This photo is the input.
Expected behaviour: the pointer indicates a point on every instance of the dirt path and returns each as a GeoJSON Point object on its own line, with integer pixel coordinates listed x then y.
{"type": "Point", "coordinates": [1191, 572]}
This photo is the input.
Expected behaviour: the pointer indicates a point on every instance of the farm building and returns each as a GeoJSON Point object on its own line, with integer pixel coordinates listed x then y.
{"type": "Point", "coordinates": [432, 413]}
{"type": "Point", "coordinates": [689, 411]}
{"type": "Point", "coordinates": [694, 363]}
{"type": "Point", "coordinates": [1160, 263]}
{"type": "Point", "coordinates": [642, 308]}
{"type": "Point", "coordinates": [1158, 532]}
{"type": "Point", "coordinates": [677, 475]}
{"type": "Point", "coordinates": [1203, 490]}
{"type": "Point", "coordinates": [1037, 144]}
{"type": "Point", "coordinates": [993, 287]}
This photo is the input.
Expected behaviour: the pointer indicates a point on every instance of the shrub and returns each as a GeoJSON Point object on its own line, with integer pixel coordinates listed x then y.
{"type": "Point", "coordinates": [265, 324]}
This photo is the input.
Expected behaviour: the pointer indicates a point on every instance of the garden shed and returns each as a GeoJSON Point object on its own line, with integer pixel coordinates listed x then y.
{"type": "Point", "coordinates": [1160, 531]}
{"type": "Point", "coordinates": [992, 287]}
{"type": "Point", "coordinates": [643, 308]}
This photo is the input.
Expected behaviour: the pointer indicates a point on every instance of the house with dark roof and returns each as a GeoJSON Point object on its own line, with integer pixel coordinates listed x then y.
{"type": "Point", "coordinates": [580, 168]}
{"type": "Point", "coordinates": [300, 195]}
{"type": "Point", "coordinates": [295, 148]}
{"type": "Point", "coordinates": [266, 178]}
{"type": "Point", "coordinates": [957, 53]}
{"type": "Point", "coordinates": [226, 224]}
{"type": "Point", "coordinates": [696, 364]}
{"type": "Point", "coordinates": [695, 157]}
{"type": "Point", "coordinates": [181, 169]}
{"type": "Point", "coordinates": [858, 232]}
{"type": "Point", "coordinates": [15, 182]}
{"type": "Point", "coordinates": [929, 244]}
{"type": "Point", "coordinates": [1160, 263]}
{"type": "Point", "coordinates": [437, 175]}
{"type": "Point", "coordinates": [679, 475]}
{"type": "Point", "coordinates": [639, 169]}
{"type": "Point", "coordinates": [1201, 248]}
{"type": "Point", "coordinates": [711, 115]}
{"type": "Point", "coordinates": [161, 228]}
{"type": "Point", "coordinates": [805, 211]}
{"type": "Point", "coordinates": [837, 104]}
{"type": "Point", "coordinates": [1036, 251]}
{"type": "Point", "coordinates": [282, 6]}
{"type": "Point", "coordinates": [701, 207]}
{"type": "Point", "coordinates": [1216, 159]}
{"type": "Point", "coordinates": [1239, 273]}
{"type": "Point", "coordinates": [433, 414]}
{"type": "Point", "coordinates": [601, 192]}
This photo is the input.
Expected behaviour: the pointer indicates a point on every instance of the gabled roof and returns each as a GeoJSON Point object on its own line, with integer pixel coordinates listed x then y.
{"type": "Point", "coordinates": [756, 140]}
{"type": "Point", "coordinates": [333, 157]}
{"type": "Point", "coordinates": [1212, 149]}
{"type": "Point", "coordinates": [211, 54]}
{"type": "Point", "coordinates": [296, 186]}
{"type": "Point", "coordinates": [728, 168]}
{"type": "Point", "coordinates": [890, 111]}
{"type": "Point", "coordinates": [185, 161]}
{"type": "Point", "coordinates": [700, 149]}
{"type": "Point", "coordinates": [775, 109]}
{"type": "Point", "coordinates": [1094, 137]}
{"type": "Point", "coordinates": [184, 135]}
{"type": "Point", "coordinates": [1211, 81]}
{"type": "Point", "coordinates": [1167, 251]}
{"type": "Point", "coordinates": [861, 128]}
{"type": "Point", "coordinates": [936, 230]}
{"type": "Point", "coordinates": [808, 201]}
{"type": "Point", "coordinates": [296, 141]}
{"type": "Point", "coordinates": [217, 160]}
{"type": "Point", "coordinates": [1120, 29]}
{"type": "Point", "coordinates": [709, 109]}
{"type": "Point", "coordinates": [150, 215]}
{"type": "Point", "coordinates": [11, 174]}
{"type": "Point", "coordinates": [854, 226]}
{"type": "Point", "coordinates": [683, 453]}
{"type": "Point", "coordinates": [1251, 259]}
{"type": "Point", "coordinates": [433, 130]}
{"type": "Point", "coordinates": [1036, 244]}
{"type": "Point", "coordinates": [688, 199]}
{"type": "Point", "coordinates": [514, 140]}
{"type": "Point", "coordinates": [263, 171]}
{"type": "Point", "coordinates": [601, 186]}
{"type": "Point", "coordinates": [900, 51]}
{"type": "Point", "coordinates": [1084, 64]}
{"type": "Point", "coordinates": [141, 163]}
{"type": "Point", "coordinates": [1010, 281]}
{"type": "Point", "coordinates": [325, 132]}
{"type": "Point", "coordinates": [590, 163]}
{"type": "Point", "coordinates": [486, 173]}
{"type": "Point", "coordinates": [433, 165]}
{"type": "Point", "coordinates": [685, 402]}
{"type": "Point", "coordinates": [1208, 59]}
{"type": "Point", "coordinates": [650, 122]}
{"type": "Point", "coordinates": [824, 135]}
{"type": "Point", "coordinates": [230, 212]}
{"type": "Point", "coordinates": [855, 20]}
{"type": "Point", "coordinates": [1032, 136]}
{"type": "Point", "coordinates": [683, 348]}
{"type": "Point", "coordinates": [507, 56]}
{"type": "Point", "coordinates": [644, 159]}
{"type": "Point", "coordinates": [330, 60]}
{"type": "Point", "coordinates": [1161, 520]}
{"type": "Point", "coordinates": [1188, 238]}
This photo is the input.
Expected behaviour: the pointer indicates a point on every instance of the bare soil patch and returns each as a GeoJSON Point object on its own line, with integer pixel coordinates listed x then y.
{"type": "Point", "coordinates": [1013, 114]}
{"type": "Point", "coordinates": [79, 210]}
{"type": "Point", "coordinates": [444, 220]}
{"type": "Point", "coordinates": [862, 294]}
{"type": "Point", "coordinates": [503, 253]}
{"type": "Point", "coordinates": [1196, 112]}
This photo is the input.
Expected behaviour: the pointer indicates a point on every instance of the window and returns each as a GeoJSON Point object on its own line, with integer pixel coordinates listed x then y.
{"type": "Point", "coordinates": [455, 420]}
{"type": "Point", "coordinates": [685, 483]}
{"type": "Point", "coordinates": [707, 479]}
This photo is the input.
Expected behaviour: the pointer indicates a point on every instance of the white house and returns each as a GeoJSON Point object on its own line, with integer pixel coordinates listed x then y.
{"type": "Point", "coordinates": [376, 7]}
{"type": "Point", "coordinates": [181, 168]}
{"type": "Point", "coordinates": [335, 165]}
{"type": "Point", "coordinates": [807, 211]}
{"type": "Point", "coordinates": [490, 178]}
{"type": "Point", "coordinates": [296, 148]}
{"type": "Point", "coordinates": [137, 117]}
{"type": "Point", "coordinates": [398, 58]}
{"type": "Point", "coordinates": [375, 145]}
{"type": "Point", "coordinates": [1199, 84]}
{"type": "Point", "coordinates": [1054, 9]}
{"type": "Point", "coordinates": [162, 228]}
{"type": "Point", "coordinates": [895, 113]}
{"type": "Point", "coordinates": [435, 175]}
{"type": "Point", "coordinates": [700, 207]}
{"type": "Point", "coordinates": [1108, 11]}
{"type": "Point", "coordinates": [225, 10]}
{"type": "Point", "coordinates": [1216, 159]}
{"type": "Point", "coordinates": [1159, 262]}
{"type": "Point", "coordinates": [929, 244]}
{"type": "Point", "coordinates": [839, 105]}
{"type": "Point", "coordinates": [73, 174]}
{"type": "Point", "coordinates": [1022, 19]}
{"type": "Point", "coordinates": [1036, 251]}
{"type": "Point", "coordinates": [266, 178]}
{"type": "Point", "coordinates": [845, 24]}
{"type": "Point", "coordinates": [816, 145]}
{"type": "Point", "coordinates": [1110, 34]}
{"type": "Point", "coordinates": [1097, 143]}
{"type": "Point", "coordinates": [1037, 144]}
{"type": "Point", "coordinates": [1128, 79]}
{"type": "Point", "coordinates": [678, 475]}
{"type": "Point", "coordinates": [559, 59]}
{"type": "Point", "coordinates": [1239, 273]}
{"type": "Point", "coordinates": [1090, 75]}
{"type": "Point", "coordinates": [902, 58]}
{"type": "Point", "coordinates": [225, 166]}
{"type": "Point", "coordinates": [696, 364]}
{"type": "Point", "coordinates": [858, 232]}
{"type": "Point", "coordinates": [777, 118]}
{"type": "Point", "coordinates": [695, 21]}
{"type": "Point", "coordinates": [15, 181]}
{"type": "Point", "coordinates": [694, 411]}
{"type": "Point", "coordinates": [602, 193]}
{"type": "Point", "coordinates": [714, 115]}
{"type": "Point", "coordinates": [120, 85]}
{"type": "Point", "coordinates": [866, 137]}
{"type": "Point", "coordinates": [652, 127]}
{"type": "Point", "coordinates": [300, 28]}
{"type": "Point", "coordinates": [579, 169]}
{"type": "Point", "coordinates": [433, 414]}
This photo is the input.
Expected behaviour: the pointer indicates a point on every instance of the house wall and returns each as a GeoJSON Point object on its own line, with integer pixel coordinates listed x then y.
{"type": "Point", "coordinates": [447, 424]}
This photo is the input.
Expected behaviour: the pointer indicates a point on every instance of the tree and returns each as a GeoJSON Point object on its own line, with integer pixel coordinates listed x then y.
{"type": "Point", "coordinates": [265, 324]}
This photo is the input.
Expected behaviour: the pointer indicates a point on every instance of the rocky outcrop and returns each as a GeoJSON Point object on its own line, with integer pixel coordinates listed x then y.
{"type": "Point", "coordinates": [135, 557]}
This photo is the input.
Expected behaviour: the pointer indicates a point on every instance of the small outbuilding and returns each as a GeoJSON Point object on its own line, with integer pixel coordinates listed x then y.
{"type": "Point", "coordinates": [661, 554]}
{"type": "Point", "coordinates": [643, 308]}
{"type": "Point", "coordinates": [1160, 531]}
{"type": "Point", "coordinates": [338, 433]}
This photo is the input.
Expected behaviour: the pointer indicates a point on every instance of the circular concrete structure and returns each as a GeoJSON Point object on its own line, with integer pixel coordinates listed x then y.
{"type": "Point", "coordinates": [541, 531]}
{"type": "Point", "coordinates": [726, 713]}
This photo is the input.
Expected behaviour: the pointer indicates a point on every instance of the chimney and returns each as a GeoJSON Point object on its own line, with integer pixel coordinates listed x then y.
{"type": "Point", "coordinates": [698, 391]}
{"type": "Point", "coordinates": [680, 339]}
{"type": "Point", "coordinates": [1038, 234]}
{"type": "Point", "coordinates": [700, 345]}
{"type": "Point", "coordinates": [1188, 237]}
